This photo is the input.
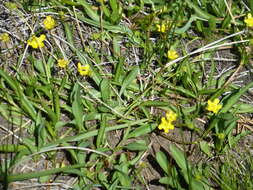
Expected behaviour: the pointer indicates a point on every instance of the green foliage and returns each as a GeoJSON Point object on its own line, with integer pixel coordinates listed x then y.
{"type": "Point", "coordinates": [174, 174]}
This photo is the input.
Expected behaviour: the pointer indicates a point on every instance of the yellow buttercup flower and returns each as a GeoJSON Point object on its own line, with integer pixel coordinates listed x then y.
{"type": "Point", "coordinates": [165, 125]}
{"type": "Point", "coordinates": [171, 116]}
{"type": "Point", "coordinates": [49, 23]}
{"type": "Point", "coordinates": [37, 42]}
{"type": "Point", "coordinates": [166, 122]}
{"type": "Point", "coordinates": [161, 28]}
{"type": "Point", "coordinates": [62, 63]}
{"type": "Point", "coordinates": [172, 54]}
{"type": "Point", "coordinates": [4, 37]}
{"type": "Point", "coordinates": [84, 70]}
{"type": "Point", "coordinates": [249, 20]}
{"type": "Point", "coordinates": [214, 105]}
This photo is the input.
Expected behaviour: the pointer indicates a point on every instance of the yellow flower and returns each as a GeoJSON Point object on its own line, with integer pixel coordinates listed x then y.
{"type": "Point", "coordinates": [214, 105]}
{"type": "Point", "coordinates": [166, 122]}
{"type": "Point", "coordinates": [49, 23]}
{"type": "Point", "coordinates": [161, 28]}
{"type": "Point", "coordinates": [84, 70]}
{"type": "Point", "coordinates": [249, 20]}
{"type": "Point", "coordinates": [36, 42]}
{"type": "Point", "coordinates": [171, 116]}
{"type": "Point", "coordinates": [165, 125]}
{"type": "Point", "coordinates": [4, 37]}
{"type": "Point", "coordinates": [172, 54]}
{"type": "Point", "coordinates": [62, 63]}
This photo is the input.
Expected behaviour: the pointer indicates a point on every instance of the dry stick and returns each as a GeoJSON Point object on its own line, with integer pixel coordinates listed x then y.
{"type": "Point", "coordinates": [70, 147]}
{"type": "Point", "coordinates": [100, 101]}
{"type": "Point", "coordinates": [229, 11]}
{"type": "Point", "coordinates": [9, 133]}
{"type": "Point", "coordinates": [79, 27]}
{"type": "Point", "coordinates": [233, 76]}
{"type": "Point", "coordinates": [15, 131]}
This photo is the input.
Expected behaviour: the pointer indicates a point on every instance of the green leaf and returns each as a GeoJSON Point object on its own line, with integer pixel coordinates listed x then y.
{"type": "Point", "coordinates": [184, 91]}
{"type": "Point", "coordinates": [172, 182]}
{"type": "Point", "coordinates": [162, 160]}
{"type": "Point", "coordinates": [243, 108]}
{"type": "Point", "coordinates": [199, 11]}
{"type": "Point", "coordinates": [40, 132]}
{"type": "Point", "coordinates": [38, 64]}
{"type": "Point", "coordinates": [105, 90]}
{"type": "Point", "coordinates": [77, 107]}
{"type": "Point", "coordinates": [179, 157]}
{"type": "Point", "coordinates": [119, 70]}
{"type": "Point", "coordinates": [166, 180]}
{"type": "Point", "coordinates": [37, 174]}
{"type": "Point", "coordinates": [89, 11]}
{"type": "Point", "coordinates": [101, 131]}
{"type": "Point", "coordinates": [234, 97]}
{"type": "Point", "coordinates": [129, 78]}
{"type": "Point", "coordinates": [142, 130]}
{"type": "Point", "coordinates": [137, 146]}
{"type": "Point", "coordinates": [154, 103]}
{"type": "Point", "coordinates": [204, 146]}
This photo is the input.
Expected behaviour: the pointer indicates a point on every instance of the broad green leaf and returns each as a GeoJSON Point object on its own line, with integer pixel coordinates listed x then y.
{"type": "Point", "coordinates": [172, 182]}
{"type": "Point", "coordinates": [38, 64]}
{"type": "Point", "coordinates": [162, 160]}
{"type": "Point", "coordinates": [139, 145]}
{"type": "Point", "coordinates": [204, 146]}
{"type": "Point", "coordinates": [119, 70]}
{"type": "Point", "coordinates": [234, 97]}
{"type": "Point", "coordinates": [184, 91]}
{"type": "Point", "coordinates": [77, 107]}
{"type": "Point", "coordinates": [199, 11]}
{"type": "Point", "coordinates": [179, 157]}
{"type": "Point", "coordinates": [40, 132]}
{"type": "Point", "coordinates": [105, 90]}
{"type": "Point", "coordinates": [56, 103]}
{"type": "Point", "coordinates": [142, 130]}
{"type": "Point", "coordinates": [101, 131]}
{"type": "Point", "coordinates": [129, 78]}
{"type": "Point", "coordinates": [89, 11]}
{"type": "Point", "coordinates": [166, 181]}
{"type": "Point", "coordinates": [243, 108]}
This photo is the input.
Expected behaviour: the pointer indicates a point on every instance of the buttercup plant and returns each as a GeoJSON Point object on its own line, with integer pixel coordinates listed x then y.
{"type": "Point", "coordinates": [161, 28]}
{"type": "Point", "coordinates": [37, 42]}
{"type": "Point", "coordinates": [214, 106]}
{"type": "Point", "coordinates": [84, 70]}
{"type": "Point", "coordinates": [172, 54]}
{"type": "Point", "coordinates": [62, 63]}
{"type": "Point", "coordinates": [249, 20]}
{"type": "Point", "coordinates": [49, 23]}
{"type": "Point", "coordinates": [167, 121]}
